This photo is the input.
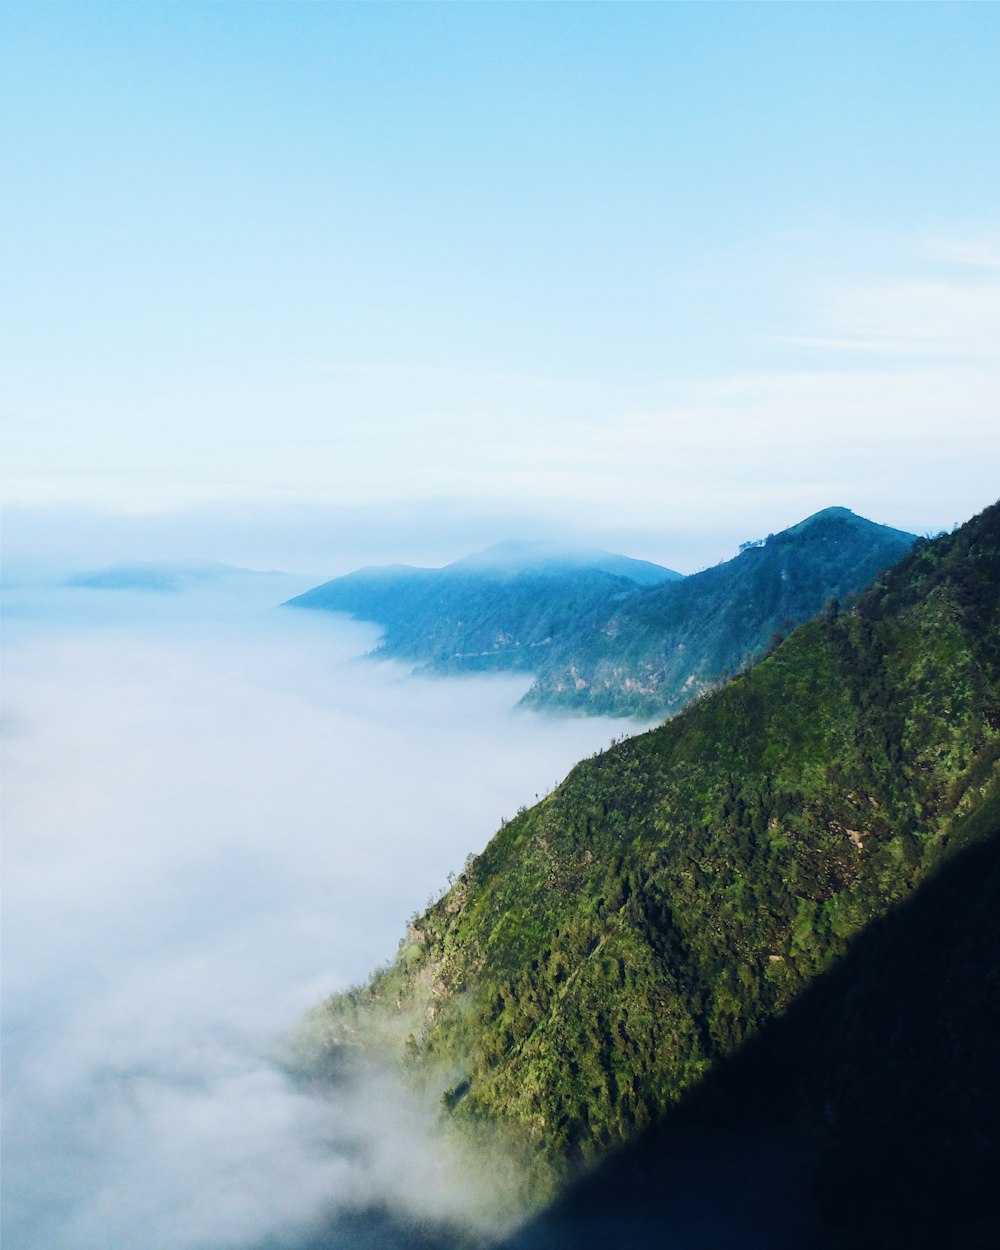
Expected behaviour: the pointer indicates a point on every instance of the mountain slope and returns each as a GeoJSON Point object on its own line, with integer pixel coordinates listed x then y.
{"type": "Point", "coordinates": [498, 609]}
{"type": "Point", "coordinates": [652, 653]}
{"type": "Point", "coordinates": [867, 1116]}
{"type": "Point", "coordinates": [618, 942]}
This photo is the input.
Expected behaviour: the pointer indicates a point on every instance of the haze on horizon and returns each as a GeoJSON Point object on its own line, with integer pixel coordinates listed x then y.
{"type": "Point", "coordinates": [214, 817]}
{"type": "Point", "coordinates": [649, 272]}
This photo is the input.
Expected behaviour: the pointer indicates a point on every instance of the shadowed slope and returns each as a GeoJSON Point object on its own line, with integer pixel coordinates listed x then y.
{"type": "Point", "coordinates": [869, 1116]}
{"type": "Point", "coordinates": [865, 1118]}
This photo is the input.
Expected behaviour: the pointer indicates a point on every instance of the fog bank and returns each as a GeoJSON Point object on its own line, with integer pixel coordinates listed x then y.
{"type": "Point", "coordinates": [214, 816]}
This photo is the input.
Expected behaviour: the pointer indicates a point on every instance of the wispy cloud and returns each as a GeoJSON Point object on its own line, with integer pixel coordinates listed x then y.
{"type": "Point", "coordinates": [931, 318]}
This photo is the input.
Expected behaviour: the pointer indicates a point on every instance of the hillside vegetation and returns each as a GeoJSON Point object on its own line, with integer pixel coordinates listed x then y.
{"type": "Point", "coordinates": [621, 941]}
{"type": "Point", "coordinates": [865, 1117]}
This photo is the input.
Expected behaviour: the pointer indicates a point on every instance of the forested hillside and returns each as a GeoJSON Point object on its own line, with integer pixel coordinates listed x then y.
{"type": "Point", "coordinates": [650, 654]}
{"type": "Point", "coordinates": [623, 940]}
{"type": "Point", "coordinates": [865, 1118]}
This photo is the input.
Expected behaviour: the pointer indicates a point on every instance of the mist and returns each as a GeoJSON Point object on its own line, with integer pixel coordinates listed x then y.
{"type": "Point", "coordinates": [214, 816]}
{"type": "Point", "coordinates": [325, 541]}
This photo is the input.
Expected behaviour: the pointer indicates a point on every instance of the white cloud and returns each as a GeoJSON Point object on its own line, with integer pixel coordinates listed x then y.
{"type": "Point", "coordinates": [210, 824]}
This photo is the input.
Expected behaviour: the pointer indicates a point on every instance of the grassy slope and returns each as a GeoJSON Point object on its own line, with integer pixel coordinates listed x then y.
{"type": "Point", "coordinates": [616, 943]}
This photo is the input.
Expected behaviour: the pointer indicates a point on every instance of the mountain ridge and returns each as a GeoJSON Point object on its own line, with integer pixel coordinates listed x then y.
{"type": "Point", "coordinates": [521, 556]}
{"type": "Point", "coordinates": [656, 652]}
{"type": "Point", "coordinates": [162, 575]}
{"type": "Point", "coordinates": [624, 939]}
{"type": "Point", "coordinates": [482, 612]}
{"type": "Point", "coordinates": [597, 640]}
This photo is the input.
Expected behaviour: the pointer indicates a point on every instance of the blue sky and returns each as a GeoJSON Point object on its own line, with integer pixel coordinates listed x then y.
{"type": "Point", "coordinates": [673, 266]}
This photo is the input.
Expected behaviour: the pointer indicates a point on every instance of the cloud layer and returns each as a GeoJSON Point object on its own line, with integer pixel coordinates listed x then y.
{"type": "Point", "coordinates": [211, 821]}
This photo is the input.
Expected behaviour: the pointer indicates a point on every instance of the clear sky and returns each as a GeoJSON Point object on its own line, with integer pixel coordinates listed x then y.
{"type": "Point", "coordinates": [671, 266]}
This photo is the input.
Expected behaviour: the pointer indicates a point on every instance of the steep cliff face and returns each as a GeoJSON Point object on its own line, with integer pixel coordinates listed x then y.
{"type": "Point", "coordinates": [618, 943]}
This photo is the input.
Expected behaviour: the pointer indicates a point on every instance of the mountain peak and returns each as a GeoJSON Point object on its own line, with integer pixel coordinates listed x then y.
{"type": "Point", "coordinates": [836, 512]}
{"type": "Point", "coordinates": [517, 555]}
{"type": "Point", "coordinates": [843, 516]}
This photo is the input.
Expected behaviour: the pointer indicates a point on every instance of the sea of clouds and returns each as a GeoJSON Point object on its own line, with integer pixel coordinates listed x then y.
{"type": "Point", "coordinates": [214, 816]}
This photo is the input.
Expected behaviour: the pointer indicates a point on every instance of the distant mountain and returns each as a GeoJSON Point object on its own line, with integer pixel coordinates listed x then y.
{"type": "Point", "coordinates": [604, 634]}
{"type": "Point", "coordinates": [652, 653]}
{"type": "Point", "coordinates": [690, 923]}
{"type": "Point", "coordinates": [497, 609]}
{"type": "Point", "coordinates": [161, 575]}
{"type": "Point", "coordinates": [515, 556]}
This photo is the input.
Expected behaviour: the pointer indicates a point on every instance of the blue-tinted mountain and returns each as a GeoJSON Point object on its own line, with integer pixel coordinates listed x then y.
{"type": "Point", "coordinates": [516, 556]}
{"type": "Point", "coordinates": [606, 635]}
{"type": "Point", "coordinates": [498, 609]}
{"type": "Point", "coordinates": [162, 576]}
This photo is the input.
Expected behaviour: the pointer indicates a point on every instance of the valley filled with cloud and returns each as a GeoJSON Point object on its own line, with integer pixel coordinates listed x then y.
{"type": "Point", "coordinates": [214, 817]}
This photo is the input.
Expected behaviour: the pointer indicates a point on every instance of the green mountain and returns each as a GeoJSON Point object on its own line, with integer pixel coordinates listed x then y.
{"type": "Point", "coordinates": [652, 653]}
{"type": "Point", "coordinates": [498, 609]}
{"type": "Point", "coordinates": [621, 946]}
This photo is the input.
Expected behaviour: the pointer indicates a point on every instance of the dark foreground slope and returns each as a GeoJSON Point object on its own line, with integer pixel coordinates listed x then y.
{"type": "Point", "coordinates": [617, 944]}
{"type": "Point", "coordinates": [652, 653]}
{"type": "Point", "coordinates": [867, 1117]}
